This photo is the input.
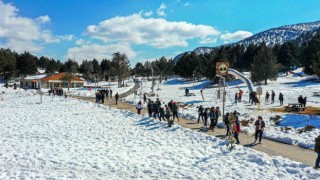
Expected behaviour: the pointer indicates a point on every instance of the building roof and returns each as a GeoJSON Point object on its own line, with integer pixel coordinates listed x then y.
{"type": "Point", "coordinates": [36, 77]}
{"type": "Point", "coordinates": [59, 76]}
{"type": "Point", "coordinates": [48, 77]}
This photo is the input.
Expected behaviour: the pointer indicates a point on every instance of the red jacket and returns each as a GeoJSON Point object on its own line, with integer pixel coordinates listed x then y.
{"type": "Point", "coordinates": [236, 128]}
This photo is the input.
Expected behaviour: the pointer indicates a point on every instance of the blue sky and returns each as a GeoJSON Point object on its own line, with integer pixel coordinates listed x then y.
{"type": "Point", "coordinates": [143, 29]}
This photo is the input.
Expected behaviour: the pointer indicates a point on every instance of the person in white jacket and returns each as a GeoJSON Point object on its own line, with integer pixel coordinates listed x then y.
{"type": "Point", "coordinates": [139, 107]}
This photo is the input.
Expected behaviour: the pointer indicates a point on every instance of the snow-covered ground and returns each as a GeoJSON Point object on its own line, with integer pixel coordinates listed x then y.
{"type": "Point", "coordinates": [64, 139]}
{"type": "Point", "coordinates": [291, 86]}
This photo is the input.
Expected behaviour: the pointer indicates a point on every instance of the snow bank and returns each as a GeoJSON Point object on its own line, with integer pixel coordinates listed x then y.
{"type": "Point", "coordinates": [62, 139]}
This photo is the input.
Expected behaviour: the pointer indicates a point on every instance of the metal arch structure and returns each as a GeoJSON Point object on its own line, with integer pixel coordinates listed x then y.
{"type": "Point", "coordinates": [242, 78]}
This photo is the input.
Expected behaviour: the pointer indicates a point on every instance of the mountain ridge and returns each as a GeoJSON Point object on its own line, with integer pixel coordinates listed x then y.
{"type": "Point", "coordinates": [299, 33]}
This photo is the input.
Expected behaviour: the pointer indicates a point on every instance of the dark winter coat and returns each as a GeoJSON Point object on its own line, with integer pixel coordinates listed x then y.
{"type": "Point", "coordinates": [212, 115]}
{"type": "Point", "coordinates": [149, 106]}
{"type": "Point", "coordinates": [317, 145]}
{"type": "Point", "coordinates": [155, 108]}
{"type": "Point", "coordinates": [168, 114]}
{"type": "Point", "coordinates": [263, 125]}
{"type": "Point", "coordinates": [281, 97]}
{"type": "Point", "coordinates": [174, 108]}
{"type": "Point", "coordinates": [170, 105]}
{"type": "Point", "coordinates": [200, 110]}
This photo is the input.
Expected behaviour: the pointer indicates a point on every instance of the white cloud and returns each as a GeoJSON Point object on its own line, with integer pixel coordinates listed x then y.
{"type": "Point", "coordinates": [148, 14]}
{"type": "Point", "coordinates": [21, 33]}
{"type": "Point", "coordinates": [236, 36]}
{"type": "Point", "coordinates": [157, 32]}
{"type": "Point", "coordinates": [80, 42]}
{"type": "Point", "coordinates": [208, 40]}
{"type": "Point", "coordinates": [43, 19]}
{"type": "Point", "coordinates": [66, 37]}
{"type": "Point", "coordinates": [186, 4]}
{"type": "Point", "coordinates": [99, 52]}
{"type": "Point", "coordinates": [161, 9]}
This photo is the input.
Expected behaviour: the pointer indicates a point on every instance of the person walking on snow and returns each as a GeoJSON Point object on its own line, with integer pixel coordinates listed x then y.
{"type": "Point", "coordinates": [227, 123]}
{"type": "Point", "coordinates": [267, 97]}
{"type": "Point", "coordinates": [155, 110]}
{"type": "Point", "coordinates": [150, 106]}
{"type": "Point", "coordinates": [304, 101]}
{"type": "Point", "coordinates": [175, 110]}
{"type": "Point", "coordinates": [236, 129]}
{"type": "Point", "coordinates": [139, 107]}
{"type": "Point", "coordinates": [170, 104]}
{"type": "Point", "coordinates": [260, 125]}
{"type": "Point", "coordinates": [117, 98]}
{"type": "Point", "coordinates": [168, 114]}
{"type": "Point", "coordinates": [281, 99]}
{"type": "Point", "coordinates": [272, 97]}
{"type": "Point", "coordinates": [240, 95]}
{"type": "Point", "coordinates": [218, 113]}
{"type": "Point", "coordinates": [236, 98]}
{"type": "Point", "coordinates": [187, 91]}
{"type": "Point", "coordinates": [212, 115]}
{"type": "Point", "coordinates": [161, 112]}
{"type": "Point", "coordinates": [317, 150]}
{"type": "Point", "coordinates": [300, 99]}
{"type": "Point", "coordinates": [144, 98]}
{"type": "Point", "coordinates": [200, 113]}
{"type": "Point", "coordinates": [205, 117]}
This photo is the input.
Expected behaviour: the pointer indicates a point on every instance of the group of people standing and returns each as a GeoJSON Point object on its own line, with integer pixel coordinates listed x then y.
{"type": "Point", "coordinates": [232, 125]}
{"type": "Point", "coordinates": [56, 91]}
{"type": "Point", "coordinates": [238, 96]}
{"type": "Point", "coordinates": [254, 99]}
{"type": "Point", "coordinates": [161, 110]}
{"type": "Point", "coordinates": [103, 93]}
{"type": "Point", "coordinates": [209, 113]}
{"type": "Point", "coordinates": [302, 101]}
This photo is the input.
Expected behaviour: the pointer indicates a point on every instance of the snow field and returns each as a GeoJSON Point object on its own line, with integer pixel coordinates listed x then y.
{"type": "Point", "coordinates": [81, 140]}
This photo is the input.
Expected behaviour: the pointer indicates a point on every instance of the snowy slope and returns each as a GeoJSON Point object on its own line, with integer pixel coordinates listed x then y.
{"type": "Point", "coordinates": [291, 86]}
{"type": "Point", "coordinates": [62, 139]}
{"type": "Point", "coordinates": [279, 35]}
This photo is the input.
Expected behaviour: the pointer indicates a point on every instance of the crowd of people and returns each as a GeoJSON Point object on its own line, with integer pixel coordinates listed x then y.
{"type": "Point", "coordinates": [101, 94]}
{"type": "Point", "coordinates": [169, 112]}
{"type": "Point", "coordinates": [57, 92]}
{"type": "Point", "coordinates": [160, 110]}
{"type": "Point", "coordinates": [212, 113]}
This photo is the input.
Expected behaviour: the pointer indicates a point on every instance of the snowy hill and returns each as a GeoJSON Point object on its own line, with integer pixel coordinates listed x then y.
{"type": "Point", "coordinates": [301, 32]}
{"type": "Point", "coordinates": [281, 34]}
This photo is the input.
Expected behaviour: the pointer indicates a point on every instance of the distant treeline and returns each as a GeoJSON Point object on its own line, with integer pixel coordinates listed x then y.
{"type": "Point", "coordinates": [263, 62]}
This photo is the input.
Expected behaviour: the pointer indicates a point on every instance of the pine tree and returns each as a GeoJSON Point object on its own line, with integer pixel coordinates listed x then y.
{"type": "Point", "coordinates": [26, 64]}
{"type": "Point", "coordinates": [264, 65]}
{"type": "Point", "coordinates": [309, 54]}
{"type": "Point", "coordinates": [120, 66]}
{"type": "Point", "coordinates": [316, 64]}
{"type": "Point", "coordinates": [285, 57]}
